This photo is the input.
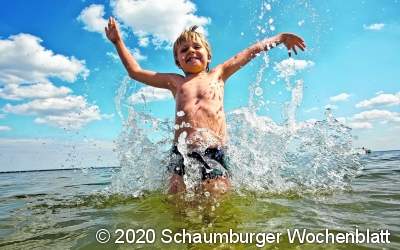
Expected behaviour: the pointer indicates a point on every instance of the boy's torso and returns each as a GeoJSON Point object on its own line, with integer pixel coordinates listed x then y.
{"type": "Point", "coordinates": [200, 111]}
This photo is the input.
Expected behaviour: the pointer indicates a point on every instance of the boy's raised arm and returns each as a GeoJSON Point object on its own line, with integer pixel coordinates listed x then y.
{"type": "Point", "coordinates": [291, 41]}
{"type": "Point", "coordinates": [159, 80]}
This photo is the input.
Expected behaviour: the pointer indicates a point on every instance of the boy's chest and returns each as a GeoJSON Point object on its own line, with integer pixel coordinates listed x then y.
{"type": "Point", "coordinates": [208, 89]}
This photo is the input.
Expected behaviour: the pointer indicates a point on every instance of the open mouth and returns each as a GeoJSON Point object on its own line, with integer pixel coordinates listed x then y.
{"type": "Point", "coordinates": [192, 59]}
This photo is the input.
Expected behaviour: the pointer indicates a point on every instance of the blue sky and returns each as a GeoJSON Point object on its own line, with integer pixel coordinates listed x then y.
{"type": "Point", "coordinates": [59, 75]}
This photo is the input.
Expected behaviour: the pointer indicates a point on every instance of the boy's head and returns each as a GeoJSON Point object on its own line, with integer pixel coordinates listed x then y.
{"type": "Point", "coordinates": [192, 52]}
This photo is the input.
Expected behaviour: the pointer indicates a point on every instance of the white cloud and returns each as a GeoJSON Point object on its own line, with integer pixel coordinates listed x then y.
{"type": "Point", "coordinates": [377, 115]}
{"type": "Point", "coordinates": [65, 112]}
{"type": "Point", "coordinates": [290, 67]}
{"type": "Point", "coordinates": [366, 119]}
{"type": "Point", "coordinates": [160, 22]}
{"type": "Point", "coordinates": [114, 56]}
{"type": "Point", "coordinates": [135, 52]}
{"type": "Point", "coordinates": [25, 69]}
{"type": "Point", "coordinates": [380, 100]}
{"type": "Point", "coordinates": [360, 125]}
{"type": "Point", "coordinates": [138, 55]}
{"type": "Point", "coordinates": [150, 94]}
{"type": "Point", "coordinates": [5, 128]}
{"type": "Point", "coordinates": [39, 90]}
{"type": "Point", "coordinates": [71, 120]}
{"type": "Point", "coordinates": [374, 26]}
{"type": "Point", "coordinates": [339, 98]}
{"type": "Point", "coordinates": [143, 41]}
{"type": "Point", "coordinates": [48, 106]}
{"type": "Point", "coordinates": [23, 59]}
{"type": "Point", "coordinates": [92, 18]}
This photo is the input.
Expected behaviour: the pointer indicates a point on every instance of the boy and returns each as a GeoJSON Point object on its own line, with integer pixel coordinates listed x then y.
{"type": "Point", "coordinates": [200, 117]}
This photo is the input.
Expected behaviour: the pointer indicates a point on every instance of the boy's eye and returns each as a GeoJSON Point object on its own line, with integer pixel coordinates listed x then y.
{"type": "Point", "coordinates": [184, 49]}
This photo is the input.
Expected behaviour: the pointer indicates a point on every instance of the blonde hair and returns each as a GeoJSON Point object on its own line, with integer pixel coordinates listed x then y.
{"type": "Point", "coordinates": [191, 35]}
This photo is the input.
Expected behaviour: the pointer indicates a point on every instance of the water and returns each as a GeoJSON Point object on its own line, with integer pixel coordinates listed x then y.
{"type": "Point", "coordinates": [64, 209]}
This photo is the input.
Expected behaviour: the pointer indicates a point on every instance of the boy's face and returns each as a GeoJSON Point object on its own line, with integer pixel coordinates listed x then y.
{"type": "Point", "coordinates": [192, 57]}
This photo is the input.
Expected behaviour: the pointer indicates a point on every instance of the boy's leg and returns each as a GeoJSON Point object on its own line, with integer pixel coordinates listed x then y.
{"type": "Point", "coordinates": [176, 184]}
{"type": "Point", "coordinates": [217, 186]}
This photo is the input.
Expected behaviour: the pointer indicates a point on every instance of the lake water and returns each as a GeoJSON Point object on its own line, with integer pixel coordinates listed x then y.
{"type": "Point", "coordinates": [64, 209]}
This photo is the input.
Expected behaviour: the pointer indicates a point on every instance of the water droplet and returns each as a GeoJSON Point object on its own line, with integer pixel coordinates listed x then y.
{"type": "Point", "coordinates": [258, 91]}
{"type": "Point", "coordinates": [272, 28]}
{"type": "Point", "coordinates": [271, 20]}
{"type": "Point", "coordinates": [180, 113]}
{"type": "Point", "coordinates": [273, 82]}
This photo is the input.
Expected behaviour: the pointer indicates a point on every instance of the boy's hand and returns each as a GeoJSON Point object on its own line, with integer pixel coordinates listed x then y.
{"type": "Point", "coordinates": [291, 41]}
{"type": "Point", "coordinates": [112, 31]}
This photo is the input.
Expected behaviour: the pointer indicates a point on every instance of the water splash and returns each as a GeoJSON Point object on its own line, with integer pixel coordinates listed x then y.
{"type": "Point", "coordinates": [264, 156]}
{"type": "Point", "coordinates": [304, 157]}
{"type": "Point", "coordinates": [141, 148]}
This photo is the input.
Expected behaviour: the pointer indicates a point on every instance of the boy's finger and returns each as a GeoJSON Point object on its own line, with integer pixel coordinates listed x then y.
{"type": "Point", "coordinates": [300, 38]}
{"type": "Point", "coordinates": [301, 45]}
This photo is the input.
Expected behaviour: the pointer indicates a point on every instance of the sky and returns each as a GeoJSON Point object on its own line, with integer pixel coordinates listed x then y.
{"type": "Point", "coordinates": [60, 76]}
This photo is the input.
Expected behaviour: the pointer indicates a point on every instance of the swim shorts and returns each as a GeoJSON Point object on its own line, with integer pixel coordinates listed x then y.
{"type": "Point", "coordinates": [212, 162]}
